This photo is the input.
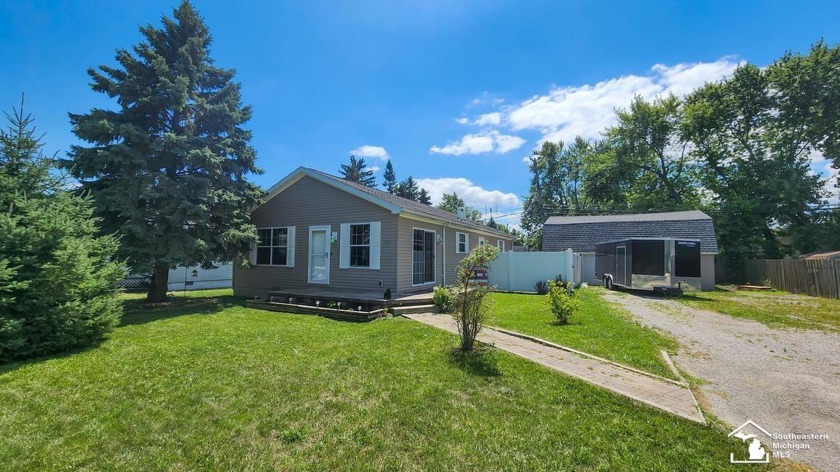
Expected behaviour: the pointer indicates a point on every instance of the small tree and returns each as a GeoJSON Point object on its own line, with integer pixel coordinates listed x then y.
{"type": "Point", "coordinates": [561, 298]}
{"type": "Point", "coordinates": [57, 278]}
{"type": "Point", "coordinates": [470, 303]}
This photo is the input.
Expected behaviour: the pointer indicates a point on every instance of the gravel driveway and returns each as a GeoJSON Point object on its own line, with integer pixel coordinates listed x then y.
{"type": "Point", "coordinates": [786, 380]}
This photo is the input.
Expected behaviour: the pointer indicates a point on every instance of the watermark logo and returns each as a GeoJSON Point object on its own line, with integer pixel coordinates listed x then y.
{"type": "Point", "coordinates": [749, 433]}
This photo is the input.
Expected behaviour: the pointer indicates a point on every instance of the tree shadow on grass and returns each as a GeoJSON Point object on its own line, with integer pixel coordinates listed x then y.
{"type": "Point", "coordinates": [141, 312]}
{"type": "Point", "coordinates": [138, 312]}
{"type": "Point", "coordinates": [481, 361]}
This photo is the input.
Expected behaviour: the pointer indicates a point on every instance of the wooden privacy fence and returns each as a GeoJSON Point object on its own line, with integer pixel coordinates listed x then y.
{"type": "Point", "coordinates": [818, 278]}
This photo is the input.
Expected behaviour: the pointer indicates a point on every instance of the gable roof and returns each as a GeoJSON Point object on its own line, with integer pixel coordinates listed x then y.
{"type": "Point", "coordinates": [582, 233]}
{"type": "Point", "coordinates": [391, 202]}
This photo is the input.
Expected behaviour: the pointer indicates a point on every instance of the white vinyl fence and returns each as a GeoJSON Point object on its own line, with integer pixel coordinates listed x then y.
{"type": "Point", "coordinates": [519, 271]}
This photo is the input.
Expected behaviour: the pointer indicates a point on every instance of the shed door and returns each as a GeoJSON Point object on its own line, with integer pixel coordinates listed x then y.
{"type": "Point", "coordinates": [621, 265]}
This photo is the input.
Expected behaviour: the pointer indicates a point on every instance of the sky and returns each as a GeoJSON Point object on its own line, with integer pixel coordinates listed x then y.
{"type": "Point", "coordinates": [456, 93]}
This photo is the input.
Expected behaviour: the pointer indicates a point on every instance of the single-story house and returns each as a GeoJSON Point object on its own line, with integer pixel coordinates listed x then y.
{"type": "Point", "coordinates": [582, 233]}
{"type": "Point", "coordinates": [320, 232]}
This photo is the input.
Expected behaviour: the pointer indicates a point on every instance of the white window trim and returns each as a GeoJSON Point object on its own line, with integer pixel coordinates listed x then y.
{"type": "Point", "coordinates": [501, 245]}
{"type": "Point", "coordinates": [482, 241]}
{"type": "Point", "coordinates": [375, 245]}
{"type": "Point", "coordinates": [458, 243]}
{"type": "Point", "coordinates": [369, 245]}
{"type": "Point", "coordinates": [434, 256]}
{"type": "Point", "coordinates": [290, 247]}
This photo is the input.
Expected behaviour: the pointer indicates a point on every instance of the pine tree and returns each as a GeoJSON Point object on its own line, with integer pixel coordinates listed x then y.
{"type": "Point", "coordinates": [356, 172]}
{"type": "Point", "coordinates": [57, 278]}
{"type": "Point", "coordinates": [389, 178]}
{"type": "Point", "coordinates": [168, 169]}
{"type": "Point", "coordinates": [408, 189]}
{"type": "Point", "coordinates": [424, 197]}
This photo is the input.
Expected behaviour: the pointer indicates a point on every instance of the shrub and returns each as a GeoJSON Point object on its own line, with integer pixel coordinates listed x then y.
{"type": "Point", "coordinates": [58, 279]}
{"type": "Point", "coordinates": [442, 298]}
{"type": "Point", "coordinates": [541, 287]}
{"type": "Point", "coordinates": [469, 301]}
{"type": "Point", "coordinates": [562, 301]}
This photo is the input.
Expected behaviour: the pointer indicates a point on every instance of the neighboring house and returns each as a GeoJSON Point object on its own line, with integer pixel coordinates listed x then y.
{"type": "Point", "coordinates": [186, 278]}
{"type": "Point", "coordinates": [196, 278]}
{"type": "Point", "coordinates": [319, 231]}
{"type": "Point", "coordinates": [582, 233]}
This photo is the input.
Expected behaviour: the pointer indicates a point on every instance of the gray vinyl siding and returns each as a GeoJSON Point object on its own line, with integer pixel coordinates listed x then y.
{"type": "Point", "coordinates": [406, 235]}
{"type": "Point", "coordinates": [306, 203]}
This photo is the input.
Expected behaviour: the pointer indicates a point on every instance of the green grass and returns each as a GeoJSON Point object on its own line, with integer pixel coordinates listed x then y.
{"type": "Point", "coordinates": [207, 384]}
{"type": "Point", "coordinates": [775, 309]}
{"type": "Point", "coordinates": [599, 328]}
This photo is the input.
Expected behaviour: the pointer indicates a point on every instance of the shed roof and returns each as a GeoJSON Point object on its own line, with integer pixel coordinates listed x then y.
{"type": "Point", "coordinates": [582, 233]}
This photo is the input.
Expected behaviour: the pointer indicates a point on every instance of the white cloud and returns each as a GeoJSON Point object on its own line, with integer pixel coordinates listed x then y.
{"type": "Point", "coordinates": [473, 195]}
{"type": "Point", "coordinates": [374, 168]}
{"type": "Point", "coordinates": [480, 143]}
{"type": "Point", "coordinates": [377, 152]}
{"type": "Point", "coordinates": [462, 120]}
{"type": "Point", "coordinates": [488, 119]}
{"type": "Point", "coordinates": [586, 110]}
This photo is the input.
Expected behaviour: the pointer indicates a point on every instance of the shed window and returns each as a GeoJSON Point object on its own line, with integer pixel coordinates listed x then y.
{"type": "Point", "coordinates": [501, 245]}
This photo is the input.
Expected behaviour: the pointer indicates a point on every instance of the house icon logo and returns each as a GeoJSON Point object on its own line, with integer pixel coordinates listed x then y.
{"type": "Point", "coordinates": [749, 433]}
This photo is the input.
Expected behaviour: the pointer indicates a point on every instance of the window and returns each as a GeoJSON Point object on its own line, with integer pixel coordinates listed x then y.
{"type": "Point", "coordinates": [501, 245]}
{"type": "Point", "coordinates": [462, 243]}
{"type": "Point", "coordinates": [481, 241]}
{"type": "Point", "coordinates": [360, 245]}
{"type": "Point", "coordinates": [687, 259]}
{"type": "Point", "coordinates": [272, 246]}
{"type": "Point", "coordinates": [648, 257]}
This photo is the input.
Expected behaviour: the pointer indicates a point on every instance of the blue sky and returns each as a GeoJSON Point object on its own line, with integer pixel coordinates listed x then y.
{"type": "Point", "coordinates": [456, 93]}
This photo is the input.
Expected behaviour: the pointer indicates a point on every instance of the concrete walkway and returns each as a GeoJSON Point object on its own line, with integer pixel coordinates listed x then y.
{"type": "Point", "coordinates": [667, 395]}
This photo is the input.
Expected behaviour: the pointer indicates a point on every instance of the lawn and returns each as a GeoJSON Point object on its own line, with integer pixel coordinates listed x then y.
{"type": "Point", "coordinates": [208, 384]}
{"type": "Point", "coordinates": [773, 308]}
{"type": "Point", "coordinates": [600, 328]}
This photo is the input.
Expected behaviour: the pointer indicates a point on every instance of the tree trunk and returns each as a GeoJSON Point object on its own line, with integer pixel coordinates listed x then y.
{"type": "Point", "coordinates": [160, 282]}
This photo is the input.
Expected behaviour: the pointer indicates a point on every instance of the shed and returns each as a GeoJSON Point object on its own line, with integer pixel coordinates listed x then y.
{"type": "Point", "coordinates": [582, 233]}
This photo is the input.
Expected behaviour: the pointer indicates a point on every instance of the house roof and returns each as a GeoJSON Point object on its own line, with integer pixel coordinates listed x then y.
{"type": "Point", "coordinates": [386, 200]}
{"type": "Point", "coordinates": [582, 233]}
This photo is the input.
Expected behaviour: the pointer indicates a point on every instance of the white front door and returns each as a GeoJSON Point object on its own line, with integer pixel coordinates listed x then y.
{"type": "Point", "coordinates": [319, 254]}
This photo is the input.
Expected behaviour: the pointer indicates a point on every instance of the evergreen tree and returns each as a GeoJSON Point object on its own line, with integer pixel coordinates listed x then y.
{"type": "Point", "coordinates": [168, 169]}
{"type": "Point", "coordinates": [389, 178]}
{"type": "Point", "coordinates": [356, 172]}
{"type": "Point", "coordinates": [424, 197]}
{"type": "Point", "coordinates": [408, 189]}
{"type": "Point", "coordinates": [57, 278]}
